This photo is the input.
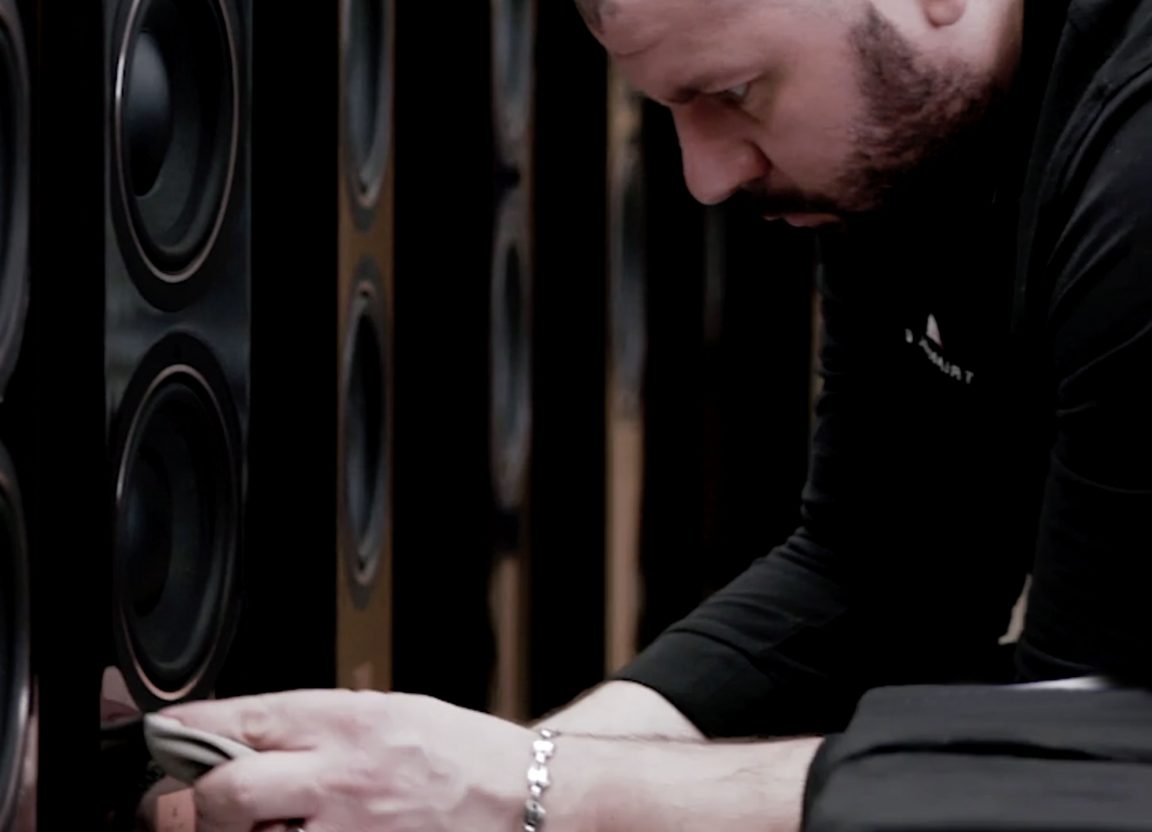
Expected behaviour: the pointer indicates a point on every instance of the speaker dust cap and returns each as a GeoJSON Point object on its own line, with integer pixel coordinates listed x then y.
{"type": "Point", "coordinates": [511, 354]}
{"type": "Point", "coordinates": [367, 99]}
{"type": "Point", "coordinates": [176, 569]}
{"type": "Point", "coordinates": [365, 447]}
{"type": "Point", "coordinates": [15, 676]}
{"type": "Point", "coordinates": [15, 147]}
{"type": "Point", "coordinates": [175, 130]}
{"type": "Point", "coordinates": [513, 71]}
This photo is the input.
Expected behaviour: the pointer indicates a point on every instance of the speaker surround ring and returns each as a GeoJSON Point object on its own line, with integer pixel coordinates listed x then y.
{"type": "Point", "coordinates": [15, 671]}
{"type": "Point", "coordinates": [178, 495]}
{"type": "Point", "coordinates": [170, 230]}
{"type": "Point", "coordinates": [511, 353]}
{"type": "Point", "coordinates": [513, 62]}
{"type": "Point", "coordinates": [365, 438]}
{"type": "Point", "coordinates": [368, 39]}
{"type": "Point", "coordinates": [15, 189]}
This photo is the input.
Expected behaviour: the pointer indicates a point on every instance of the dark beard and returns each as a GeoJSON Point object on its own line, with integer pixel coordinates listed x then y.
{"type": "Point", "coordinates": [929, 137]}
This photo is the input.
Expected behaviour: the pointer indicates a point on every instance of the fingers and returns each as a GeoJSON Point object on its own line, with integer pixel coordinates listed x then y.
{"type": "Point", "coordinates": [259, 791]}
{"type": "Point", "coordinates": [288, 721]}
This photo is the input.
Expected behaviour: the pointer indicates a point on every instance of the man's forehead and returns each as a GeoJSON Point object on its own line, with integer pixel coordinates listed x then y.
{"type": "Point", "coordinates": [627, 27]}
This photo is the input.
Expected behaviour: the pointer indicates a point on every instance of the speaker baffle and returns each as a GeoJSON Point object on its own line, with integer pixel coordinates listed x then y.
{"type": "Point", "coordinates": [15, 130]}
{"type": "Point", "coordinates": [365, 445]}
{"type": "Point", "coordinates": [15, 674]}
{"type": "Point", "coordinates": [368, 87]}
{"type": "Point", "coordinates": [511, 355]}
{"type": "Point", "coordinates": [176, 127]}
{"type": "Point", "coordinates": [176, 568]}
{"type": "Point", "coordinates": [513, 70]}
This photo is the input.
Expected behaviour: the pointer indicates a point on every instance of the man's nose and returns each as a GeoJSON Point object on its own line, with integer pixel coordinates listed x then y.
{"type": "Point", "coordinates": [718, 160]}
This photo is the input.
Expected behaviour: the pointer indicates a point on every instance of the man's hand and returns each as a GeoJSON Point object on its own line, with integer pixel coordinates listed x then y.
{"type": "Point", "coordinates": [372, 762]}
{"type": "Point", "coordinates": [344, 761]}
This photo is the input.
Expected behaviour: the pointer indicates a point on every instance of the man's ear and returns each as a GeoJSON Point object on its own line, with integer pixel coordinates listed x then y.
{"type": "Point", "coordinates": [593, 12]}
{"type": "Point", "coordinates": [942, 13]}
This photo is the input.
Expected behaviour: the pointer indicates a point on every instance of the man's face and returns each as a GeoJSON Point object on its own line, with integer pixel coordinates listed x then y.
{"type": "Point", "coordinates": [814, 110]}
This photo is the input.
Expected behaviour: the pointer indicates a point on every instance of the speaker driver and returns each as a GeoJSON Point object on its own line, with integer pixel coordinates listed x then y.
{"type": "Point", "coordinates": [513, 60]}
{"type": "Point", "coordinates": [511, 405]}
{"type": "Point", "coordinates": [175, 129]}
{"type": "Point", "coordinates": [368, 96]}
{"type": "Point", "coordinates": [14, 190]}
{"type": "Point", "coordinates": [15, 679]}
{"type": "Point", "coordinates": [365, 435]}
{"type": "Point", "coordinates": [176, 548]}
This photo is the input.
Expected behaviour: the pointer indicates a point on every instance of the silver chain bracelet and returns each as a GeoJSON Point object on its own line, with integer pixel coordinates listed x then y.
{"type": "Point", "coordinates": [539, 779]}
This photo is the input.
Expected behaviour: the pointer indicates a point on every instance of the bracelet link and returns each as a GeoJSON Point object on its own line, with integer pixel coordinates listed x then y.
{"type": "Point", "coordinates": [539, 779]}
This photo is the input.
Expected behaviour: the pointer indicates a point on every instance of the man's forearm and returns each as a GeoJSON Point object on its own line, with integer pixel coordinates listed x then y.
{"type": "Point", "coordinates": [621, 785]}
{"type": "Point", "coordinates": [623, 709]}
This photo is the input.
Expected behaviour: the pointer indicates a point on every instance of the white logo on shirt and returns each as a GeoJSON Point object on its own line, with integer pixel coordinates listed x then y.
{"type": "Point", "coordinates": [932, 344]}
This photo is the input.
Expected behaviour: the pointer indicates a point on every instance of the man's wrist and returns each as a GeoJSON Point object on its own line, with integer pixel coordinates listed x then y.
{"type": "Point", "coordinates": [611, 784]}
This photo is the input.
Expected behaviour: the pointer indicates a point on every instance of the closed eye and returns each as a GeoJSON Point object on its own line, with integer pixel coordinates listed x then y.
{"type": "Point", "coordinates": [734, 95]}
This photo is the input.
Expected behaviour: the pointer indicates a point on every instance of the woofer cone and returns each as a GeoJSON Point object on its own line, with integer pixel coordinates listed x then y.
{"type": "Point", "coordinates": [177, 540]}
{"type": "Point", "coordinates": [176, 127]}
{"type": "Point", "coordinates": [365, 447]}
{"type": "Point", "coordinates": [627, 274]}
{"type": "Point", "coordinates": [368, 86]}
{"type": "Point", "coordinates": [15, 675]}
{"type": "Point", "coordinates": [15, 148]}
{"type": "Point", "coordinates": [513, 64]}
{"type": "Point", "coordinates": [511, 356]}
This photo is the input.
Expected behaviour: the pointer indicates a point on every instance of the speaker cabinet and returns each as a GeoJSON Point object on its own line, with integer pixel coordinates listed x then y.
{"type": "Point", "coordinates": [18, 763]}
{"type": "Point", "coordinates": [364, 484]}
{"type": "Point", "coordinates": [177, 324]}
{"type": "Point", "coordinates": [17, 687]}
{"type": "Point", "coordinates": [139, 372]}
{"type": "Point", "coordinates": [322, 486]}
{"type": "Point", "coordinates": [511, 346]}
{"type": "Point", "coordinates": [627, 351]}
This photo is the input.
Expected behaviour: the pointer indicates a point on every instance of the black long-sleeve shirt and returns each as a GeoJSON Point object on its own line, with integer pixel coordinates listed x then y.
{"type": "Point", "coordinates": [986, 412]}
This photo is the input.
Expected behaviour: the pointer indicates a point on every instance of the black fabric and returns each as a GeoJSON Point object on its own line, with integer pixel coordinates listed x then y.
{"type": "Point", "coordinates": [986, 412]}
{"type": "Point", "coordinates": [986, 758]}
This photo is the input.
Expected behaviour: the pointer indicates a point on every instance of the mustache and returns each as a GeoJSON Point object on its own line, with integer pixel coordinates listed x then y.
{"type": "Point", "coordinates": [760, 200]}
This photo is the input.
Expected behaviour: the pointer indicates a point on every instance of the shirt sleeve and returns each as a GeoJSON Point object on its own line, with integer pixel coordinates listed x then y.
{"type": "Point", "coordinates": [789, 646]}
{"type": "Point", "coordinates": [1088, 609]}
{"type": "Point", "coordinates": [986, 757]}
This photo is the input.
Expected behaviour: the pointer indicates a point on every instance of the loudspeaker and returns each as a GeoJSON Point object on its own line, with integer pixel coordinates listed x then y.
{"type": "Point", "coordinates": [17, 683]}
{"type": "Point", "coordinates": [321, 511]}
{"type": "Point", "coordinates": [626, 363]}
{"type": "Point", "coordinates": [177, 278]}
{"type": "Point", "coordinates": [512, 364]}
{"type": "Point", "coordinates": [17, 697]}
{"type": "Point", "coordinates": [364, 485]}
{"type": "Point", "coordinates": [138, 379]}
